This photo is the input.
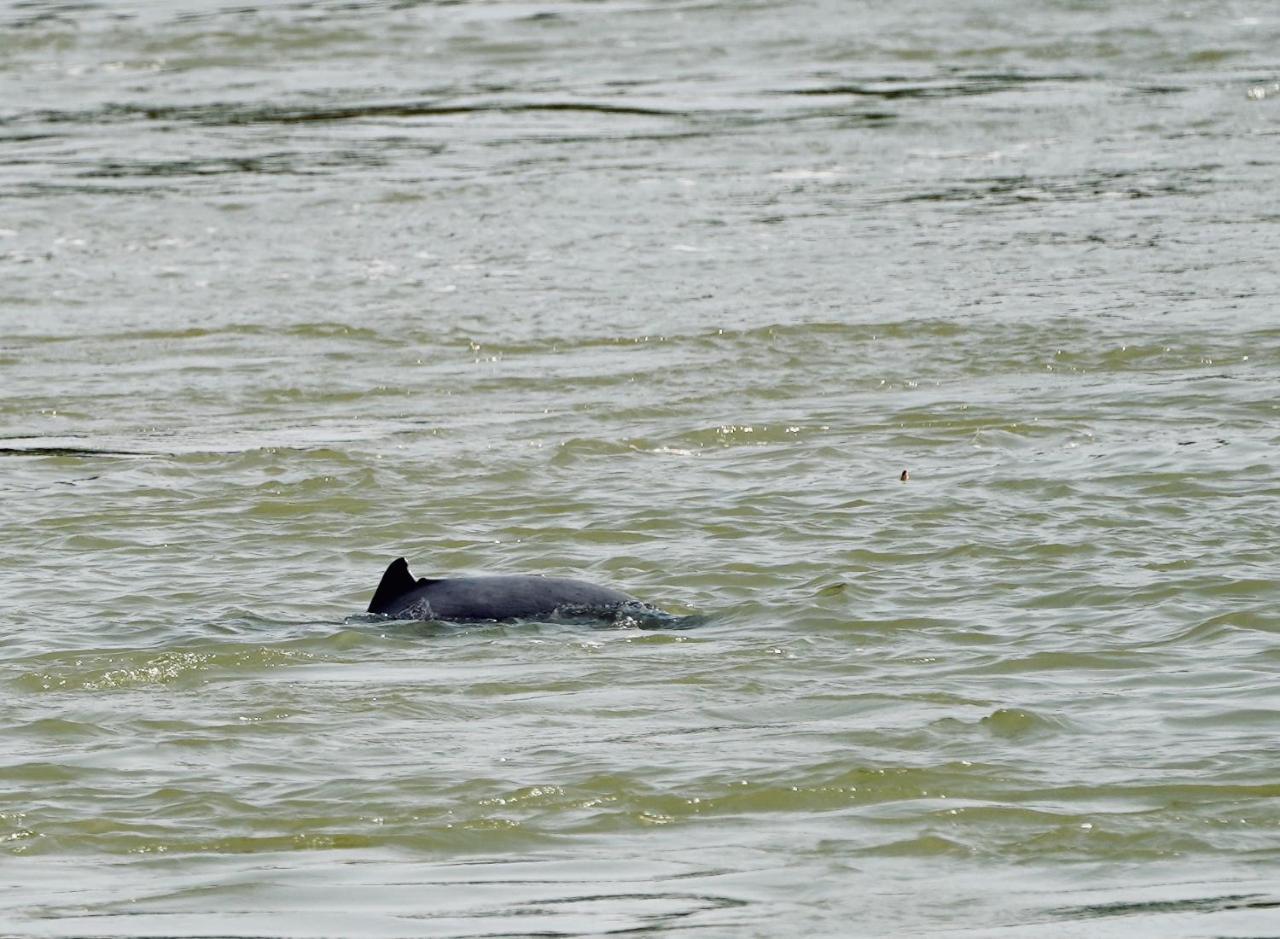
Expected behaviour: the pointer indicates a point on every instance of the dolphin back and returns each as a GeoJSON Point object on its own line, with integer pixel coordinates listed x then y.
{"type": "Point", "coordinates": [518, 597]}
{"type": "Point", "coordinates": [503, 597]}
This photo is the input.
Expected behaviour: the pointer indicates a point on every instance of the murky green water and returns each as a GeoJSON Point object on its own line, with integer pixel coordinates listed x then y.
{"type": "Point", "coordinates": [663, 296]}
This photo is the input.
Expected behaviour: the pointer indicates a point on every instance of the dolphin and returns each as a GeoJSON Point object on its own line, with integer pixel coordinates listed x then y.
{"type": "Point", "coordinates": [498, 597]}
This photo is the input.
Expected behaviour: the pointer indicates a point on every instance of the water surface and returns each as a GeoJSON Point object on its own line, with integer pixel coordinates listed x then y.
{"type": "Point", "coordinates": [663, 296]}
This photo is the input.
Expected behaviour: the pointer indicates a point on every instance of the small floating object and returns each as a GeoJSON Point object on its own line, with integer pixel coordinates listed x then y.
{"type": "Point", "coordinates": [905, 476]}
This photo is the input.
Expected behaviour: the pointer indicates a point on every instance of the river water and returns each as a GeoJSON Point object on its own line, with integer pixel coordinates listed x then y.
{"type": "Point", "coordinates": [664, 296]}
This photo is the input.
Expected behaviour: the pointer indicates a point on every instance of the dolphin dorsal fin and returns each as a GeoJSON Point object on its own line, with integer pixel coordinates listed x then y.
{"type": "Point", "coordinates": [395, 583]}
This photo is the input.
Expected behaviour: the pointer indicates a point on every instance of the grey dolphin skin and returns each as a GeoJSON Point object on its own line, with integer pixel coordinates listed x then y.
{"type": "Point", "coordinates": [400, 596]}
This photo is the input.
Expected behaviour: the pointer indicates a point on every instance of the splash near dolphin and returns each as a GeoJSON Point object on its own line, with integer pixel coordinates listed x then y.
{"type": "Point", "coordinates": [496, 597]}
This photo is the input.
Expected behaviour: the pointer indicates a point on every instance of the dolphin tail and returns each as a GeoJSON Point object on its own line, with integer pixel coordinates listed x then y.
{"type": "Point", "coordinates": [395, 583]}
